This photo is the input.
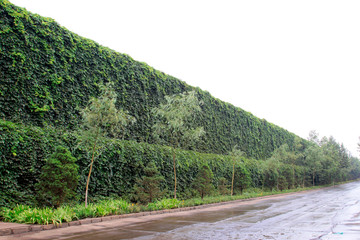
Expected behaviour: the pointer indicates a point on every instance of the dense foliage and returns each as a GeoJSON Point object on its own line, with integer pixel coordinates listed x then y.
{"type": "Point", "coordinates": [24, 149]}
{"type": "Point", "coordinates": [48, 74]}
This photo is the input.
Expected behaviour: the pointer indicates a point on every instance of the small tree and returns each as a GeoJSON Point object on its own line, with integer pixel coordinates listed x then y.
{"type": "Point", "coordinates": [235, 154]}
{"type": "Point", "coordinates": [203, 181]}
{"type": "Point", "coordinates": [242, 179]}
{"type": "Point", "coordinates": [223, 187]}
{"type": "Point", "coordinates": [174, 123]}
{"type": "Point", "coordinates": [147, 188]}
{"type": "Point", "coordinates": [59, 178]}
{"type": "Point", "coordinates": [101, 122]}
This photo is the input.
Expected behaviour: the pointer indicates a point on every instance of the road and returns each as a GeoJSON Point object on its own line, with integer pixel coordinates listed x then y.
{"type": "Point", "coordinates": [326, 214]}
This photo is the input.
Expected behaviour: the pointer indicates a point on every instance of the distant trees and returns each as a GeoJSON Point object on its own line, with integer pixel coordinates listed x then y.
{"type": "Point", "coordinates": [317, 162]}
{"type": "Point", "coordinates": [313, 161]}
{"type": "Point", "coordinates": [173, 123]}
{"type": "Point", "coordinates": [102, 123]}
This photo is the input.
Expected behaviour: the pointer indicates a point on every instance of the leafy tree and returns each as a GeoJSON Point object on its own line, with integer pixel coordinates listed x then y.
{"type": "Point", "coordinates": [313, 161]}
{"type": "Point", "coordinates": [147, 188]}
{"type": "Point", "coordinates": [242, 178]}
{"type": "Point", "coordinates": [235, 154]}
{"type": "Point", "coordinates": [203, 180]}
{"type": "Point", "coordinates": [174, 121]}
{"type": "Point", "coordinates": [59, 178]}
{"type": "Point", "coordinates": [101, 122]}
{"type": "Point", "coordinates": [271, 173]}
{"type": "Point", "coordinates": [314, 137]}
{"type": "Point", "coordinates": [331, 163]}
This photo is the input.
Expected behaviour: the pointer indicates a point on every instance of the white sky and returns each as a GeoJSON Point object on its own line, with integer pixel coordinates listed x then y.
{"type": "Point", "coordinates": [294, 63]}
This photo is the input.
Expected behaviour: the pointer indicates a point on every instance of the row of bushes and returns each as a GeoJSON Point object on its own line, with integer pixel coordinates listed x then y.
{"type": "Point", "coordinates": [24, 149]}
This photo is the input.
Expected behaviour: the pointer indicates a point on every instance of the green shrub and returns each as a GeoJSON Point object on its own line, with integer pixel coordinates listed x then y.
{"type": "Point", "coordinates": [58, 179]}
{"type": "Point", "coordinates": [147, 189]}
{"type": "Point", "coordinates": [223, 187]}
{"type": "Point", "coordinates": [203, 181]}
{"type": "Point", "coordinates": [165, 204]}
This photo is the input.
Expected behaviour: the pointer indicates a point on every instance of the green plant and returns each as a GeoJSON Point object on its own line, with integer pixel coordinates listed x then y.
{"type": "Point", "coordinates": [223, 187]}
{"type": "Point", "coordinates": [203, 181]}
{"type": "Point", "coordinates": [165, 204]}
{"type": "Point", "coordinates": [235, 153]}
{"type": "Point", "coordinates": [58, 179]}
{"type": "Point", "coordinates": [147, 188]}
{"type": "Point", "coordinates": [174, 123]}
{"type": "Point", "coordinates": [101, 119]}
{"type": "Point", "coordinates": [242, 178]}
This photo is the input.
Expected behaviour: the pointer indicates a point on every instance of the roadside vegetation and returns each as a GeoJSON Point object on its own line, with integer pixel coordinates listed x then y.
{"type": "Point", "coordinates": [317, 163]}
{"type": "Point", "coordinates": [108, 207]}
{"type": "Point", "coordinates": [80, 123]}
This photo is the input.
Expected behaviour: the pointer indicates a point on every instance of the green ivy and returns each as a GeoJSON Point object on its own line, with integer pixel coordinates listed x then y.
{"type": "Point", "coordinates": [49, 73]}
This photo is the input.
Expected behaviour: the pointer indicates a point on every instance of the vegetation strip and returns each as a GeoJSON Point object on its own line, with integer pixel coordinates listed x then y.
{"type": "Point", "coordinates": [205, 203]}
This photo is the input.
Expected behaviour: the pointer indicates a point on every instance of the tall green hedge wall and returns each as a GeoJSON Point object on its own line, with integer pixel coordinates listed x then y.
{"type": "Point", "coordinates": [48, 73]}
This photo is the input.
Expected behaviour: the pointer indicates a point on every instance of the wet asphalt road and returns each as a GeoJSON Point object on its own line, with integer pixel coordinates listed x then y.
{"type": "Point", "coordinates": [331, 213]}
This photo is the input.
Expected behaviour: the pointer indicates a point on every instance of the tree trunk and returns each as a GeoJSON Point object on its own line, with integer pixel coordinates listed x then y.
{"type": "Point", "coordinates": [232, 180]}
{"type": "Point", "coordinates": [313, 179]}
{"type": "Point", "coordinates": [174, 172]}
{"type": "Point", "coordinates": [88, 179]}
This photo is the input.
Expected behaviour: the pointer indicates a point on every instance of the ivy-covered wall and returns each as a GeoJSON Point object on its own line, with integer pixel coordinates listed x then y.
{"type": "Point", "coordinates": [48, 73]}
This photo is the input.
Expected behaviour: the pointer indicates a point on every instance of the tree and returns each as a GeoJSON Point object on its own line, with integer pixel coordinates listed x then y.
{"type": "Point", "coordinates": [203, 181]}
{"type": "Point", "coordinates": [175, 121]}
{"type": "Point", "coordinates": [101, 122]}
{"type": "Point", "coordinates": [242, 178]}
{"type": "Point", "coordinates": [331, 163]}
{"type": "Point", "coordinates": [223, 187]}
{"type": "Point", "coordinates": [271, 173]}
{"type": "Point", "coordinates": [147, 188]}
{"type": "Point", "coordinates": [235, 154]}
{"type": "Point", "coordinates": [59, 178]}
{"type": "Point", "coordinates": [314, 137]}
{"type": "Point", "coordinates": [313, 161]}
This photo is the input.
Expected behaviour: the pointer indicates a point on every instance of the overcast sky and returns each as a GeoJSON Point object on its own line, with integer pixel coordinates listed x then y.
{"type": "Point", "coordinates": [294, 63]}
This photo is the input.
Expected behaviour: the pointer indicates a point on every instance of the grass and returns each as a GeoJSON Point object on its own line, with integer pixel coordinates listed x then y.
{"type": "Point", "coordinates": [33, 215]}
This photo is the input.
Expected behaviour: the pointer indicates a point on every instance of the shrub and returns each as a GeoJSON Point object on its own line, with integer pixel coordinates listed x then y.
{"type": "Point", "coordinates": [223, 187]}
{"type": "Point", "coordinates": [58, 179]}
{"type": "Point", "coordinates": [203, 180]}
{"type": "Point", "coordinates": [147, 189]}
